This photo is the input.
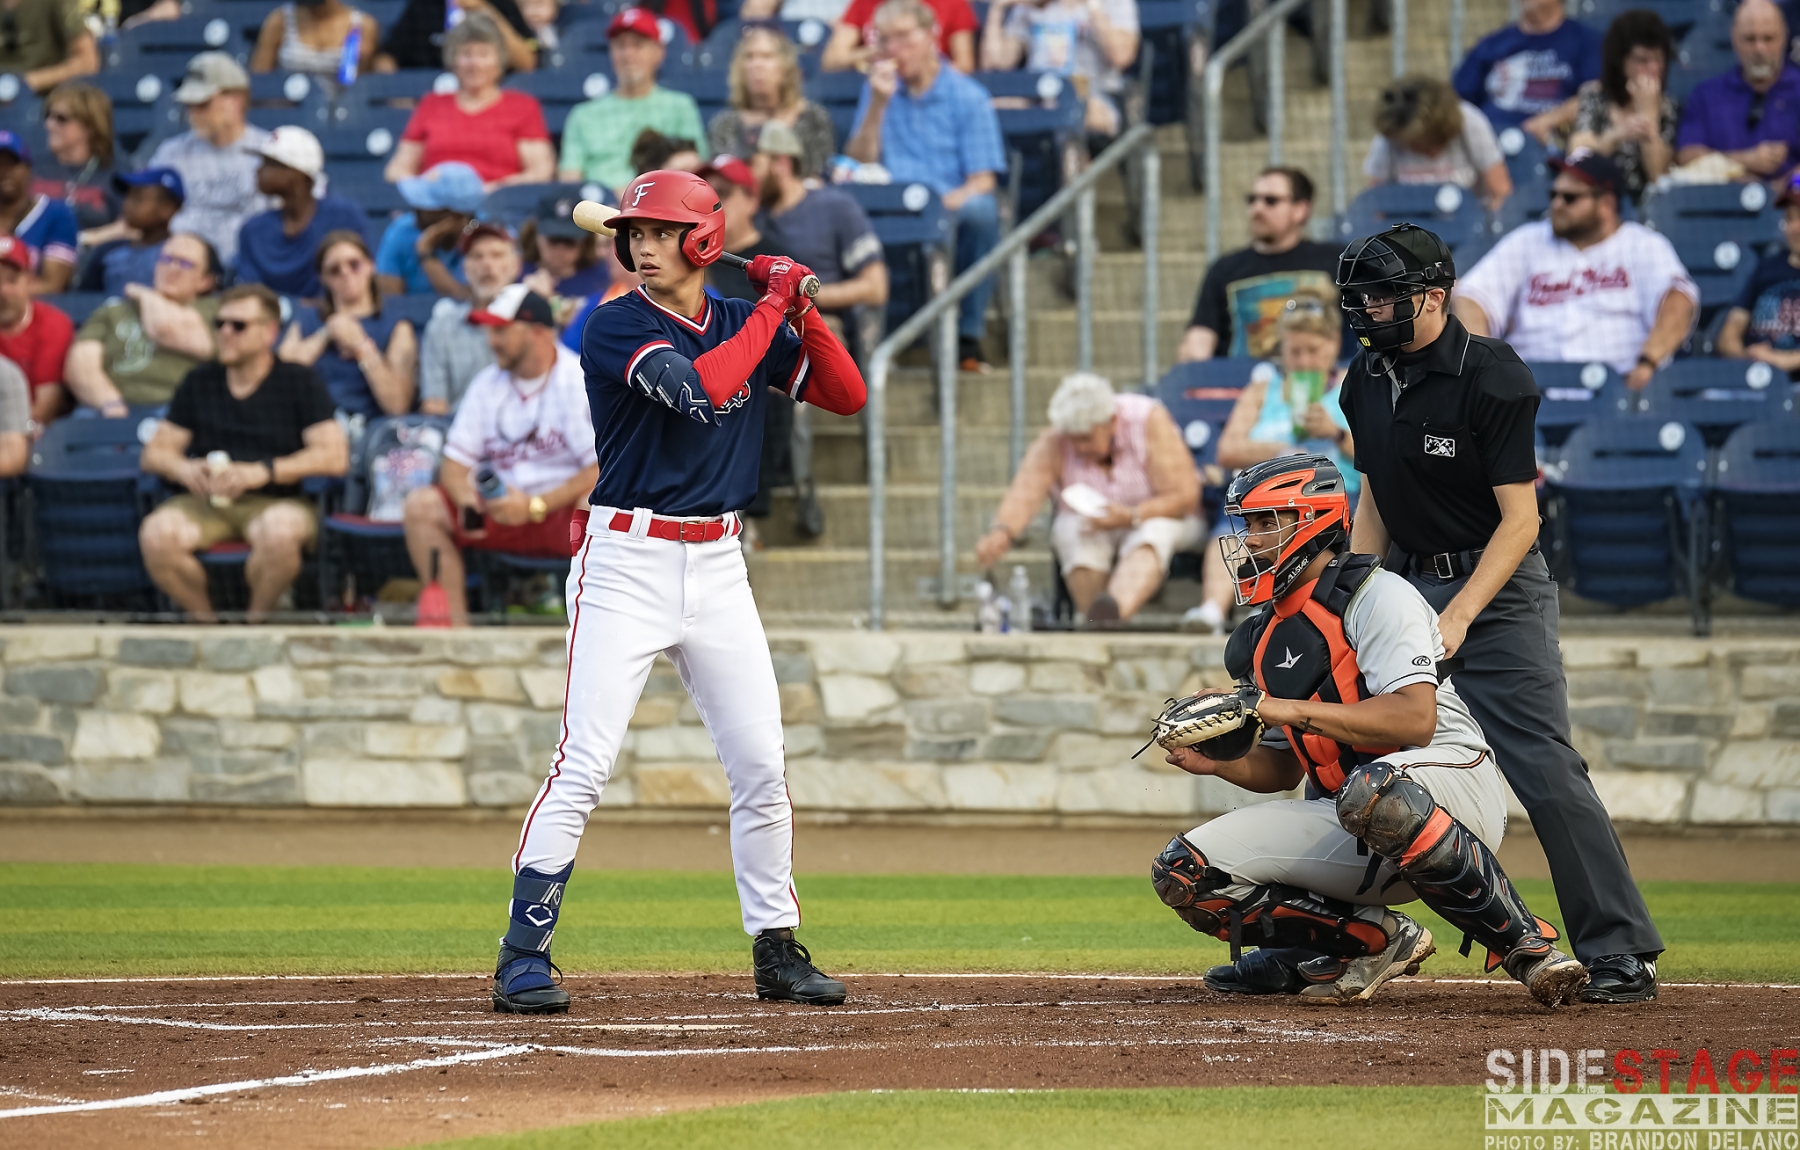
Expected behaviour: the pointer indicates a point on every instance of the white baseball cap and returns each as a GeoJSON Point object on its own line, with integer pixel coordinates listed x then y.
{"type": "Point", "coordinates": [298, 149]}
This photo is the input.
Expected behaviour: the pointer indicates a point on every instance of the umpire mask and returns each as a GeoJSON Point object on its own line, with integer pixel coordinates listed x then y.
{"type": "Point", "coordinates": [1395, 268]}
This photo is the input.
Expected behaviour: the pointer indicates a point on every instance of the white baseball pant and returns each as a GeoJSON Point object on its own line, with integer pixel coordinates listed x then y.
{"type": "Point", "coordinates": [632, 597]}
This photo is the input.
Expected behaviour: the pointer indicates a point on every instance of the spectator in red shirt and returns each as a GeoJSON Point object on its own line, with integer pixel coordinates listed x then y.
{"type": "Point", "coordinates": [33, 334]}
{"type": "Point", "coordinates": [852, 43]}
{"type": "Point", "coordinates": [500, 134]}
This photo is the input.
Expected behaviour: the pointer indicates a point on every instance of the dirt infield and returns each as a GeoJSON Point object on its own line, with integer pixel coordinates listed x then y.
{"type": "Point", "coordinates": [306, 1062]}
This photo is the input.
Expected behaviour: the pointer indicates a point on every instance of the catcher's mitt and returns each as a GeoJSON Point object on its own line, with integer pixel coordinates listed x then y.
{"type": "Point", "coordinates": [1222, 725]}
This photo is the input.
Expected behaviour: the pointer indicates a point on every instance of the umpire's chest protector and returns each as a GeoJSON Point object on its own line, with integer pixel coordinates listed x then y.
{"type": "Point", "coordinates": [1295, 648]}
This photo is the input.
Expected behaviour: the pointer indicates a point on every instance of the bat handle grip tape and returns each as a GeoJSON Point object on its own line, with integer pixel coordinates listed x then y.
{"type": "Point", "coordinates": [809, 287]}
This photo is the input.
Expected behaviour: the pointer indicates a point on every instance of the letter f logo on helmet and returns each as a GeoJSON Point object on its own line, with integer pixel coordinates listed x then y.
{"type": "Point", "coordinates": [639, 192]}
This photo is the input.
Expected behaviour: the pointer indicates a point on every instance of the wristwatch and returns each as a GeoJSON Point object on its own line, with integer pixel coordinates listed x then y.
{"type": "Point", "coordinates": [537, 508]}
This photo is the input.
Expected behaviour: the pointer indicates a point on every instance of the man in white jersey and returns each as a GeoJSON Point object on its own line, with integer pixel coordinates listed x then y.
{"type": "Point", "coordinates": [524, 418]}
{"type": "Point", "coordinates": [1581, 285]}
{"type": "Point", "coordinates": [1404, 800]}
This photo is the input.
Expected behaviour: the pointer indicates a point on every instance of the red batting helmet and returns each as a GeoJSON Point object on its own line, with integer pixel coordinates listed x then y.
{"type": "Point", "coordinates": [1308, 485]}
{"type": "Point", "coordinates": [677, 198]}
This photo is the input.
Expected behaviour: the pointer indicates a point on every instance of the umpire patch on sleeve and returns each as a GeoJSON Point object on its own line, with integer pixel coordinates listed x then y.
{"type": "Point", "coordinates": [1440, 445]}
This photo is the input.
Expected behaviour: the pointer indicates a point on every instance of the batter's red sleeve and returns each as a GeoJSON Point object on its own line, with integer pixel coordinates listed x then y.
{"type": "Point", "coordinates": [724, 369]}
{"type": "Point", "coordinates": [835, 384]}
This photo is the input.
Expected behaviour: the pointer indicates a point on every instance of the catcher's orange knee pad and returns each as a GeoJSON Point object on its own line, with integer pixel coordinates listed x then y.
{"type": "Point", "coordinates": [1389, 811]}
{"type": "Point", "coordinates": [1272, 914]}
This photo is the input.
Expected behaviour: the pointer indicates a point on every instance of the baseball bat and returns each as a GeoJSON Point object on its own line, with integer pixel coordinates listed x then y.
{"type": "Point", "coordinates": [590, 216]}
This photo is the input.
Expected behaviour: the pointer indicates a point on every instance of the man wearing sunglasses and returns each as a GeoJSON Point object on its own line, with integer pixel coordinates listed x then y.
{"type": "Point", "coordinates": [136, 350]}
{"type": "Point", "coordinates": [1582, 285]}
{"type": "Point", "coordinates": [240, 436]}
{"type": "Point", "coordinates": [1241, 299]}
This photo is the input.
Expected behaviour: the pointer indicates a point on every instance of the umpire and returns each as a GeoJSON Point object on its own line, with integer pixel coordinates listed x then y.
{"type": "Point", "coordinates": [1443, 423]}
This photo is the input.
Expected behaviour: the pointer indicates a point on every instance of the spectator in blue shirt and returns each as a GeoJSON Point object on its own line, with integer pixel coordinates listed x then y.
{"type": "Point", "coordinates": [419, 254]}
{"type": "Point", "coordinates": [152, 198]}
{"type": "Point", "coordinates": [280, 248]}
{"type": "Point", "coordinates": [44, 225]}
{"type": "Point", "coordinates": [930, 124]}
{"type": "Point", "coordinates": [1751, 113]}
{"type": "Point", "coordinates": [1526, 74]}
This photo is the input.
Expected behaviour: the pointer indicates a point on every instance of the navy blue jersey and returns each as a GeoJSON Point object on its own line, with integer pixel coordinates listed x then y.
{"type": "Point", "coordinates": [661, 443]}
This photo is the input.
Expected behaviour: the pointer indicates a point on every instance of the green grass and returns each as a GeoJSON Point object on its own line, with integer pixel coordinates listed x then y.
{"type": "Point", "coordinates": [1340, 1117]}
{"type": "Point", "coordinates": [100, 919]}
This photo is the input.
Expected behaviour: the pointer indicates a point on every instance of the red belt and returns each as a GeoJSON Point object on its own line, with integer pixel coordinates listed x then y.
{"type": "Point", "coordinates": [679, 531]}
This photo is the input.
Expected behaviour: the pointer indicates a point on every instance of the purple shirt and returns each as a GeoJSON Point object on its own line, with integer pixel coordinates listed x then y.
{"type": "Point", "coordinates": [1719, 113]}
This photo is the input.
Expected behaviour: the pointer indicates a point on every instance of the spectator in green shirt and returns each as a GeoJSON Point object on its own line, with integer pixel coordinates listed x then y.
{"type": "Point", "coordinates": [45, 42]}
{"type": "Point", "coordinates": [597, 138]}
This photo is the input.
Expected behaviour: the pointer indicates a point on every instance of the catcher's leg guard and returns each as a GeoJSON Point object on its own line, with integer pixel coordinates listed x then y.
{"type": "Point", "coordinates": [1268, 915]}
{"type": "Point", "coordinates": [1454, 873]}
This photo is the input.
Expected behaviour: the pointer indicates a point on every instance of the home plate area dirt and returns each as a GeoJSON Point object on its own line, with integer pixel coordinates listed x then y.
{"type": "Point", "coordinates": [355, 1062]}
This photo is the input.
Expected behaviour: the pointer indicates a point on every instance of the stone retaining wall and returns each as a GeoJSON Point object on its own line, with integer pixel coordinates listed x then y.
{"type": "Point", "coordinates": [1677, 731]}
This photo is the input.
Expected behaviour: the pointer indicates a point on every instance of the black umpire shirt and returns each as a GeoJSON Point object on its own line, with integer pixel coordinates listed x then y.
{"type": "Point", "coordinates": [1455, 420]}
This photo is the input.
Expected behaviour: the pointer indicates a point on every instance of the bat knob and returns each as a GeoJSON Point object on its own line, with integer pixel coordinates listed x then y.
{"type": "Point", "coordinates": [809, 287]}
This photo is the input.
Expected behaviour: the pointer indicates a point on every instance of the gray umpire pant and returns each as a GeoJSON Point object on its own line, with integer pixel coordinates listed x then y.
{"type": "Point", "coordinates": [1512, 680]}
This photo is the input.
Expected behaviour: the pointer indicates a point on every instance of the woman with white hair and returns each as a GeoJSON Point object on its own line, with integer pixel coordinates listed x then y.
{"type": "Point", "coordinates": [1127, 496]}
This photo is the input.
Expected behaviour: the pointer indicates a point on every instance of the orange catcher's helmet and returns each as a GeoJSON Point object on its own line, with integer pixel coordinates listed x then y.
{"type": "Point", "coordinates": [1309, 486]}
{"type": "Point", "coordinates": [677, 198]}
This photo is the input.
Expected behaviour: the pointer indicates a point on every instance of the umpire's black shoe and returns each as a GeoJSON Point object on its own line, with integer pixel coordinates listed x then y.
{"type": "Point", "coordinates": [784, 972]}
{"type": "Point", "coordinates": [523, 983]}
{"type": "Point", "coordinates": [1616, 978]}
{"type": "Point", "coordinates": [1265, 970]}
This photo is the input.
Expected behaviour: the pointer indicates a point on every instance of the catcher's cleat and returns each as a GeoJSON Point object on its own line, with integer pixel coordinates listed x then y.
{"type": "Point", "coordinates": [1338, 982]}
{"type": "Point", "coordinates": [1267, 970]}
{"type": "Point", "coordinates": [785, 973]}
{"type": "Point", "coordinates": [1551, 976]}
{"type": "Point", "coordinates": [524, 984]}
{"type": "Point", "coordinates": [1619, 978]}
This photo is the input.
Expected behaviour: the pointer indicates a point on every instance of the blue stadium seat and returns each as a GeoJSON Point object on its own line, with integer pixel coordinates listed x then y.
{"type": "Point", "coordinates": [1168, 29]}
{"type": "Point", "coordinates": [1452, 212]}
{"type": "Point", "coordinates": [917, 240]}
{"type": "Point", "coordinates": [1679, 15]}
{"type": "Point", "coordinates": [1630, 516]}
{"type": "Point", "coordinates": [84, 483]}
{"type": "Point", "coordinates": [1757, 502]}
{"type": "Point", "coordinates": [77, 305]}
{"type": "Point", "coordinates": [20, 109]}
{"type": "Point", "coordinates": [283, 89]}
{"type": "Point", "coordinates": [1200, 397]}
{"type": "Point", "coordinates": [1719, 395]}
{"type": "Point", "coordinates": [557, 92]}
{"type": "Point", "coordinates": [1524, 157]}
{"type": "Point", "coordinates": [837, 93]}
{"type": "Point", "coordinates": [414, 308]}
{"type": "Point", "coordinates": [512, 204]}
{"type": "Point", "coordinates": [581, 48]}
{"type": "Point", "coordinates": [1574, 393]}
{"type": "Point", "coordinates": [1745, 213]}
{"type": "Point", "coordinates": [1036, 136]}
{"type": "Point", "coordinates": [374, 91]}
{"type": "Point", "coordinates": [1704, 52]}
{"type": "Point", "coordinates": [1468, 253]}
{"type": "Point", "coordinates": [165, 46]}
{"type": "Point", "coordinates": [350, 542]}
{"type": "Point", "coordinates": [1719, 263]}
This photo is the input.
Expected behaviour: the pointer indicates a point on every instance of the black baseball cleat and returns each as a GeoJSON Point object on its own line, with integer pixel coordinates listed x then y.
{"type": "Point", "coordinates": [785, 973]}
{"type": "Point", "coordinates": [523, 983]}
{"type": "Point", "coordinates": [1619, 978]}
{"type": "Point", "coordinates": [1262, 971]}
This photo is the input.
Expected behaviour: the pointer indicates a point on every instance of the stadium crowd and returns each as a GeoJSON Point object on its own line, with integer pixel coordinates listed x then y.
{"type": "Point", "coordinates": [171, 238]}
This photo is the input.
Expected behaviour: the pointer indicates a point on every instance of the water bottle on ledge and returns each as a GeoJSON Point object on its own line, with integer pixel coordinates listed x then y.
{"type": "Point", "coordinates": [1018, 590]}
{"type": "Point", "coordinates": [987, 615]}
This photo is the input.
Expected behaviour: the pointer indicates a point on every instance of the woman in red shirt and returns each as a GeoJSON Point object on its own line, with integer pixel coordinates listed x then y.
{"type": "Point", "coordinates": [500, 134]}
{"type": "Point", "coordinates": [852, 37]}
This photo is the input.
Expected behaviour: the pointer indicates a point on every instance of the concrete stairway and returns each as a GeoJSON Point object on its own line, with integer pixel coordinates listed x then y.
{"type": "Point", "coordinates": [825, 581]}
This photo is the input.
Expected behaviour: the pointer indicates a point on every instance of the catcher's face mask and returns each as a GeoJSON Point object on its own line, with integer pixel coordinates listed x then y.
{"type": "Point", "coordinates": [1285, 511]}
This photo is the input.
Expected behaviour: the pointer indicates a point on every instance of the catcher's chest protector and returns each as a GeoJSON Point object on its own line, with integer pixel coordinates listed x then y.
{"type": "Point", "coordinates": [1296, 649]}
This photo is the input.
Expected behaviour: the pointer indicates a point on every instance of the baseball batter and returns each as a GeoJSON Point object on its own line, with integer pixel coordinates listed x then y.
{"type": "Point", "coordinates": [1342, 664]}
{"type": "Point", "coordinates": [677, 379]}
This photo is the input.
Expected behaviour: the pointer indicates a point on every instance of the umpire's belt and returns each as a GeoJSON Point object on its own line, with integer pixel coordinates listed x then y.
{"type": "Point", "coordinates": [1450, 564]}
{"type": "Point", "coordinates": [677, 530]}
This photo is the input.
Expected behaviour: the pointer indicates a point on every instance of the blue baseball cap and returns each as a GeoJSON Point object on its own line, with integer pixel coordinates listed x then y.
{"type": "Point", "coordinates": [168, 179]}
{"type": "Point", "coordinates": [10, 142]}
{"type": "Point", "coordinates": [452, 186]}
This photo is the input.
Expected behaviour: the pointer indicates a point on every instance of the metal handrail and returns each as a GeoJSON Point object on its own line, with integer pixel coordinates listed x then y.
{"type": "Point", "coordinates": [1271, 24]}
{"type": "Point", "coordinates": [941, 310]}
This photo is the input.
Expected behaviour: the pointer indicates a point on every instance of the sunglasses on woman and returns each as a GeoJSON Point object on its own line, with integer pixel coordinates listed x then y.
{"type": "Point", "coordinates": [348, 267]}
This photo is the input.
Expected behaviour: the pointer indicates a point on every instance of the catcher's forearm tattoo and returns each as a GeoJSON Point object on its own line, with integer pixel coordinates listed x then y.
{"type": "Point", "coordinates": [1307, 725]}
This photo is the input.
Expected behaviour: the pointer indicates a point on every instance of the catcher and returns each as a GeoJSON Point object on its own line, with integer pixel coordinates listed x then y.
{"type": "Point", "coordinates": [1340, 685]}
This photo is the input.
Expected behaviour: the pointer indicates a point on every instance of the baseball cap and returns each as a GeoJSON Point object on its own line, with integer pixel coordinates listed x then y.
{"type": "Point", "coordinates": [555, 218]}
{"type": "Point", "coordinates": [295, 147]}
{"type": "Point", "coordinates": [733, 169]}
{"type": "Point", "coordinates": [453, 186]}
{"type": "Point", "coordinates": [516, 303]}
{"type": "Point", "coordinates": [482, 229]}
{"type": "Point", "coordinates": [168, 179]}
{"type": "Point", "coordinates": [208, 74]}
{"type": "Point", "coordinates": [639, 20]}
{"type": "Point", "coordinates": [15, 252]}
{"type": "Point", "coordinates": [10, 142]}
{"type": "Point", "coordinates": [778, 139]}
{"type": "Point", "coordinates": [1591, 167]}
